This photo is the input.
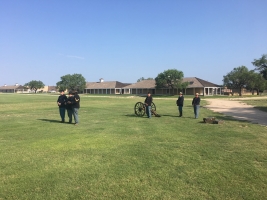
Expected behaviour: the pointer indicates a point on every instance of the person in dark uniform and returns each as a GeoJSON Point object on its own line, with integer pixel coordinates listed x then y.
{"type": "Point", "coordinates": [69, 103]}
{"type": "Point", "coordinates": [75, 107]}
{"type": "Point", "coordinates": [148, 102]}
{"type": "Point", "coordinates": [180, 104]}
{"type": "Point", "coordinates": [196, 105]}
{"type": "Point", "coordinates": [61, 102]}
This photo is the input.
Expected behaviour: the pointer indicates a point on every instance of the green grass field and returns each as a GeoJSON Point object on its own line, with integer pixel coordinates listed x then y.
{"type": "Point", "coordinates": [113, 154]}
{"type": "Point", "coordinates": [260, 104]}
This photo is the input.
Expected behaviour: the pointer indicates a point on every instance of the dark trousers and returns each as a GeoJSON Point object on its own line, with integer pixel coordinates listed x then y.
{"type": "Point", "coordinates": [180, 108]}
{"type": "Point", "coordinates": [62, 113]}
{"type": "Point", "coordinates": [69, 111]}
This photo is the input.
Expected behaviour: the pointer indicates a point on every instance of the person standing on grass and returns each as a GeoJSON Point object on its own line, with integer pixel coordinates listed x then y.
{"type": "Point", "coordinates": [61, 102]}
{"type": "Point", "coordinates": [180, 104]}
{"type": "Point", "coordinates": [69, 103]}
{"type": "Point", "coordinates": [148, 102]}
{"type": "Point", "coordinates": [196, 105]}
{"type": "Point", "coordinates": [75, 107]}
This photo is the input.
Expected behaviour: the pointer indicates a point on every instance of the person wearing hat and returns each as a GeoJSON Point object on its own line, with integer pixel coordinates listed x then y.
{"type": "Point", "coordinates": [196, 105]}
{"type": "Point", "coordinates": [61, 102]}
{"type": "Point", "coordinates": [76, 106]}
{"type": "Point", "coordinates": [69, 103]}
{"type": "Point", "coordinates": [180, 104]}
{"type": "Point", "coordinates": [148, 102]}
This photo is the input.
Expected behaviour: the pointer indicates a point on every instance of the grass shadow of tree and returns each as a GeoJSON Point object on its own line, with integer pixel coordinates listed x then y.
{"type": "Point", "coordinates": [264, 109]}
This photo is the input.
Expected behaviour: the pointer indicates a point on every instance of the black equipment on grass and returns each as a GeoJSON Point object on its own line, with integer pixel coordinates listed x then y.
{"type": "Point", "coordinates": [140, 109]}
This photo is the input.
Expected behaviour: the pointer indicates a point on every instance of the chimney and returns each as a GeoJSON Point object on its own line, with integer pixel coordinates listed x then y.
{"type": "Point", "coordinates": [101, 80]}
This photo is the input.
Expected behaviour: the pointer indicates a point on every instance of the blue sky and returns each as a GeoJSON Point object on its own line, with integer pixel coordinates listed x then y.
{"type": "Point", "coordinates": [123, 40]}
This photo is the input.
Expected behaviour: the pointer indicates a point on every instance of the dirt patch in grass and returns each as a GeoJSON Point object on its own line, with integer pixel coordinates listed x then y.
{"type": "Point", "coordinates": [237, 109]}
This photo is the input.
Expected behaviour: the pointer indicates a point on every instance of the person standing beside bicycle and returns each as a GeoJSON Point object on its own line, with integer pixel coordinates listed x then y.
{"type": "Point", "coordinates": [148, 102]}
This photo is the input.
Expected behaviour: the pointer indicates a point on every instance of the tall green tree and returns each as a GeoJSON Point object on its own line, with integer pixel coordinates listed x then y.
{"type": "Point", "coordinates": [72, 82]}
{"type": "Point", "coordinates": [261, 65]}
{"type": "Point", "coordinates": [238, 78]}
{"type": "Point", "coordinates": [142, 78]}
{"type": "Point", "coordinates": [256, 82]}
{"type": "Point", "coordinates": [172, 79]}
{"type": "Point", "coordinates": [34, 85]}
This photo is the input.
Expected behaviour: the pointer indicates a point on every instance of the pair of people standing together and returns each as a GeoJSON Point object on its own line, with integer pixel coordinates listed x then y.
{"type": "Point", "coordinates": [195, 104]}
{"type": "Point", "coordinates": [71, 104]}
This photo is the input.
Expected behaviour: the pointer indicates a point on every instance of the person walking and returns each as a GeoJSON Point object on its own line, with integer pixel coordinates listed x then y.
{"type": "Point", "coordinates": [148, 102]}
{"type": "Point", "coordinates": [61, 102]}
{"type": "Point", "coordinates": [76, 107]}
{"type": "Point", "coordinates": [69, 103]}
{"type": "Point", "coordinates": [180, 104]}
{"type": "Point", "coordinates": [196, 105]}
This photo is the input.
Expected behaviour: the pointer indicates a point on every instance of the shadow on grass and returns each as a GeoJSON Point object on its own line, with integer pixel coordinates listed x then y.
{"type": "Point", "coordinates": [229, 118]}
{"type": "Point", "coordinates": [223, 118]}
{"type": "Point", "coordinates": [49, 120]}
{"type": "Point", "coordinates": [169, 115]}
{"type": "Point", "coordinates": [226, 118]}
{"type": "Point", "coordinates": [264, 109]}
{"type": "Point", "coordinates": [165, 115]}
{"type": "Point", "coordinates": [133, 115]}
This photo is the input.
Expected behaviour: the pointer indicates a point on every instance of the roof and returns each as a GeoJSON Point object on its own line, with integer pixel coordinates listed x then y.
{"type": "Point", "coordinates": [148, 84]}
{"type": "Point", "coordinates": [194, 82]}
{"type": "Point", "coordinates": [207, 83]}
{"type": "Point", "coordinates": [105, 85]}
{"type": "Point", "coordinates": [12, 87]}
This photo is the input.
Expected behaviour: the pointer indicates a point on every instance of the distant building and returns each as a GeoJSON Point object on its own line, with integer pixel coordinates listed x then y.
{"type": "Point", "coordinates": [141, 87]}
{"type": "Point", "coordinates": [196, 85]}
{"type": "Point", "coordinates": [105, 87]}
{"type": "Point", "coordinates": [21, 89]}
{"type": "Point", "coordinates": [52, 89]}
{"type": "Point", "coordinates": [12, 88]}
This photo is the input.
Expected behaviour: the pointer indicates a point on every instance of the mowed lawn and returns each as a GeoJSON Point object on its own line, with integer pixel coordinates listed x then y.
{"type": "Point", "coordinates": [260, 104]}
{"type": "Point", "coordinates": [113, 154]}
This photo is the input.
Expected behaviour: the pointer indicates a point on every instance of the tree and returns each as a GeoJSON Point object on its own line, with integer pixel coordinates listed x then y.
{"type": "Point", "coordinates": [34, 85]}
{"type": "Point", "coordinates": [238, 78]}
{"type": "Point", "coordinates": [261, 65]}
{"type": "Point", "coordinates": [142, 78]}
{"type": "Point", "coordinates": [256, 82]}
{"type": "Point", "coordinates": [171, 78]}
{"type": "Point", "coordinates": [72, 82]}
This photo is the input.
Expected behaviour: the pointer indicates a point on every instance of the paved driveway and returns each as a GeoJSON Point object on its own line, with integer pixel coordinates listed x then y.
{"type": "Point", "coordinates": [238, 110]}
